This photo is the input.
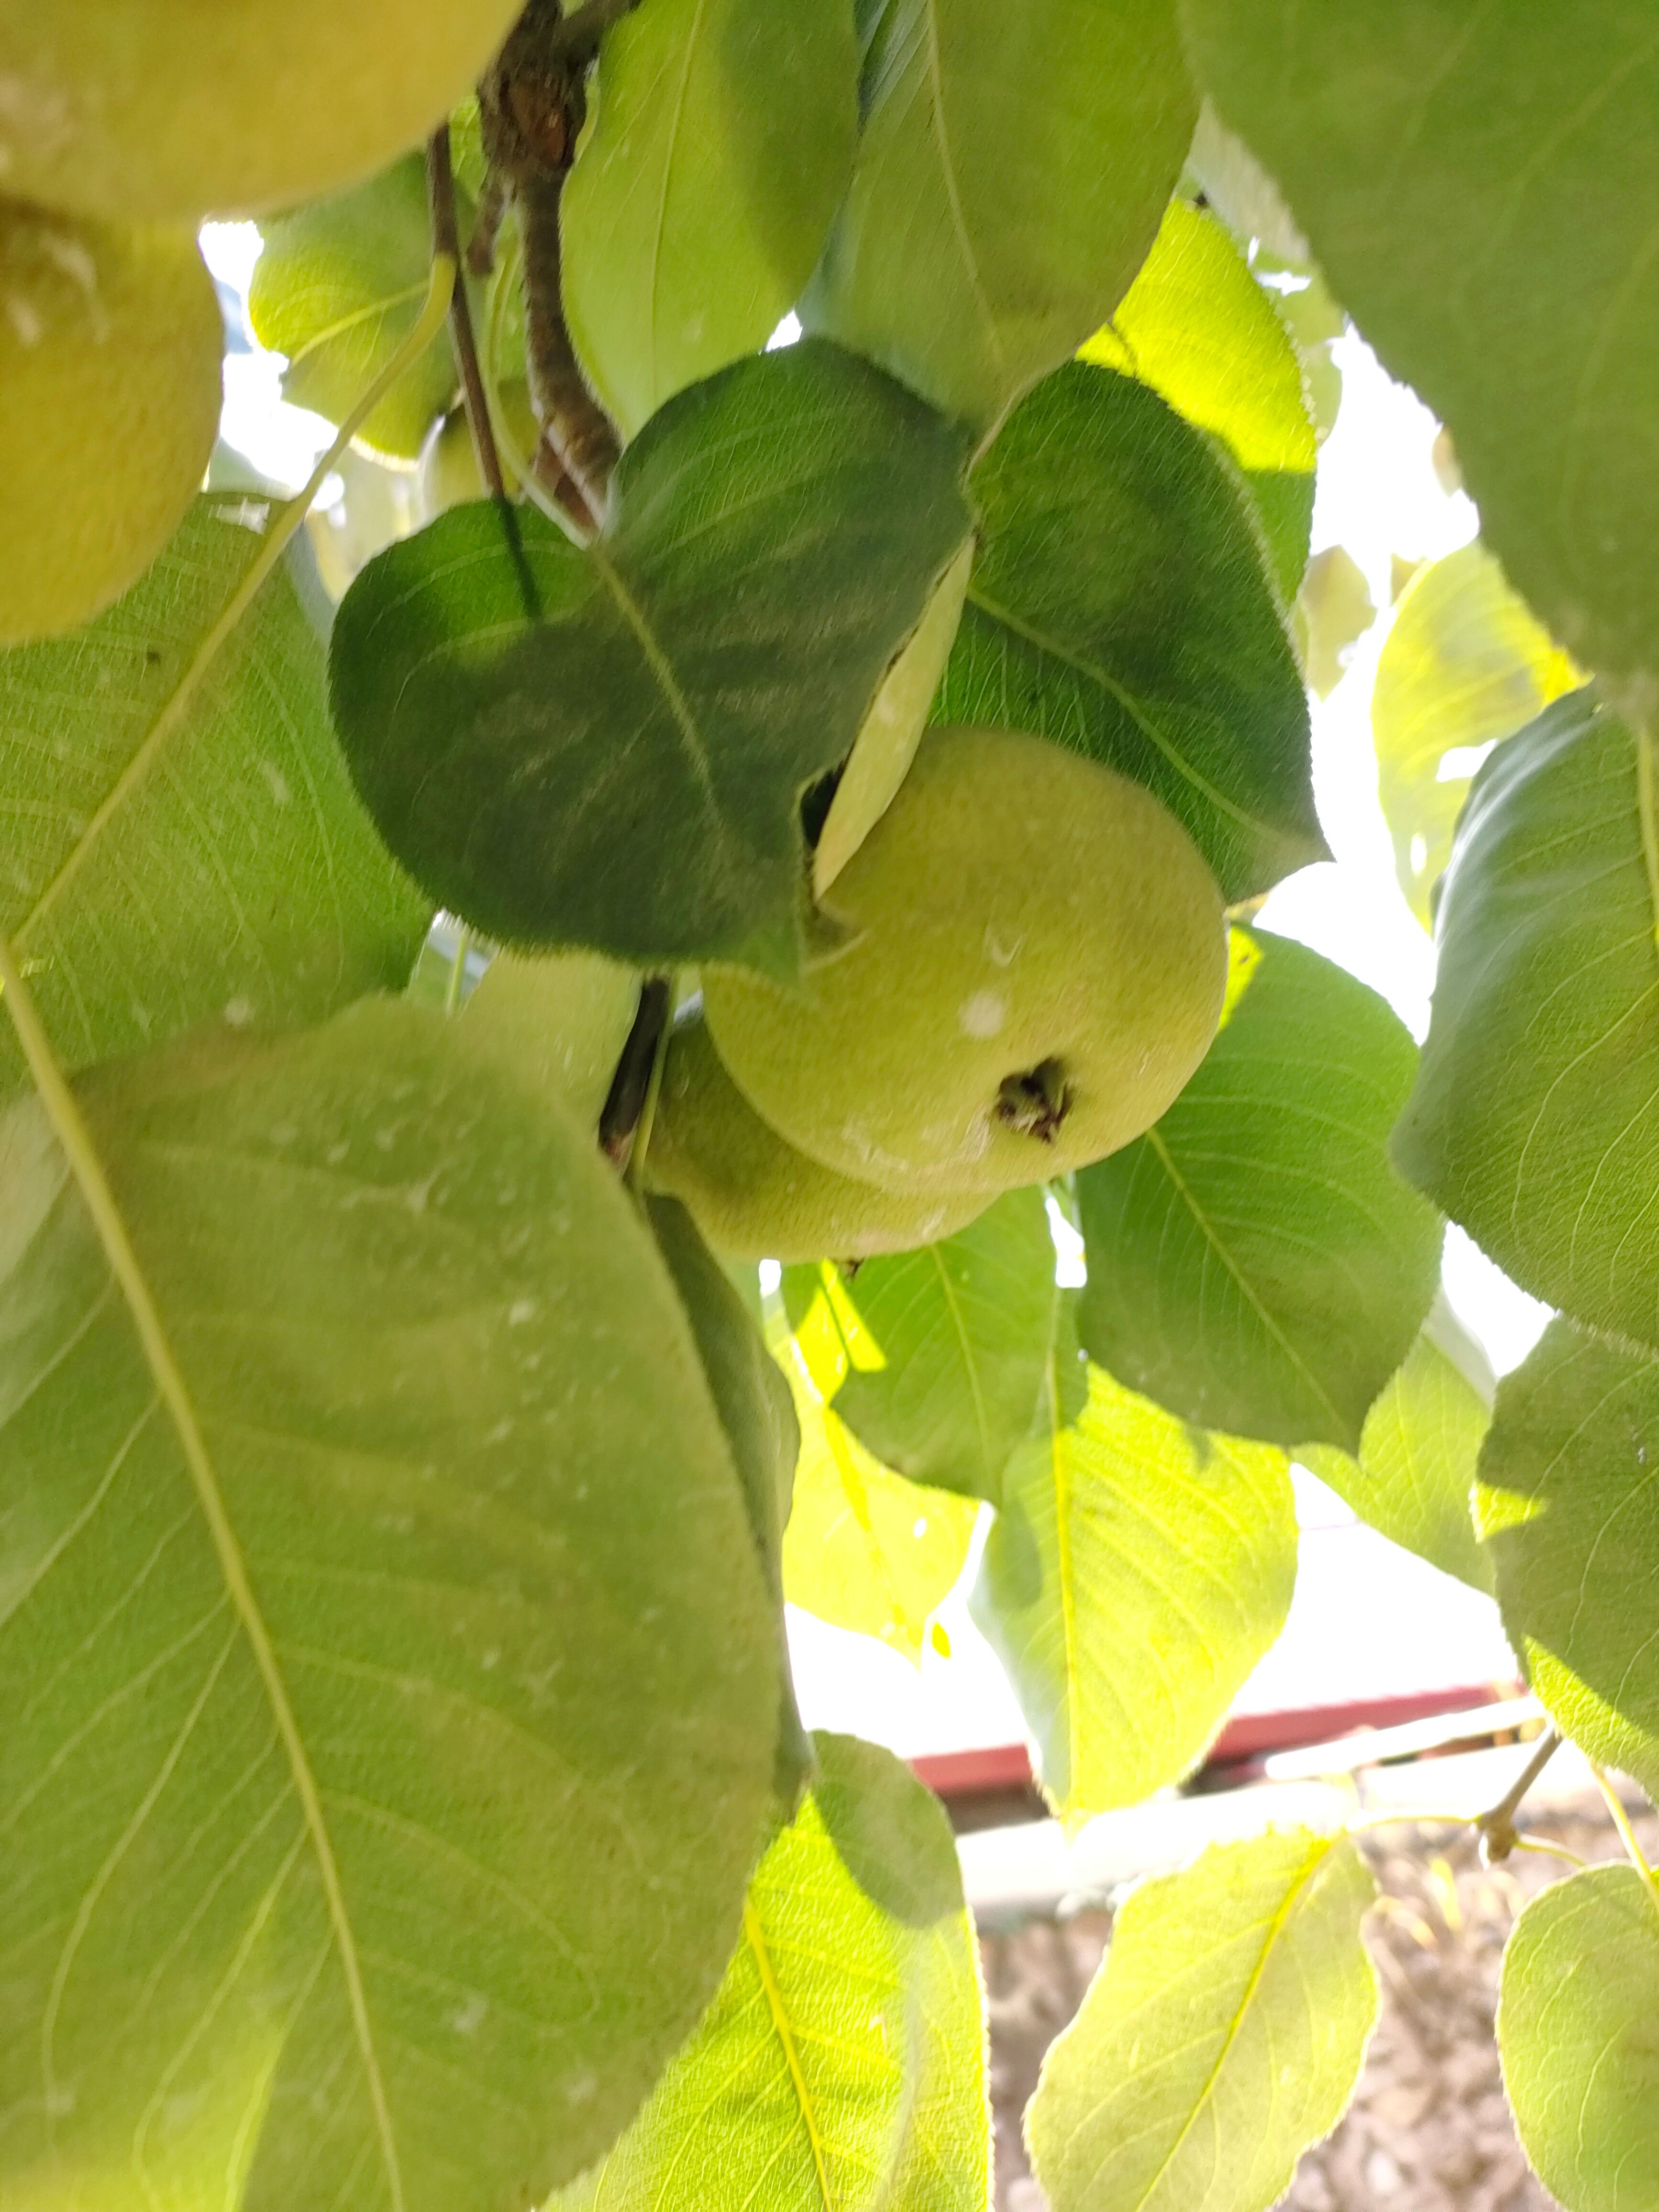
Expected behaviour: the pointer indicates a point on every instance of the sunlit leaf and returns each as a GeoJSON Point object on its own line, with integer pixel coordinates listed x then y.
{"type": "Point", "coordinates": [1415, 1476]}
{"type": "Point", "coordinates": [388, 1667]}
{"type": "Point", "coordinates": [1222, 2037]}
{"type": "Point", "coordinates": [1334, 611]}
{"type": "Point", "coordinates": [864, 1549]}
{"type": "Point", "coordinates": [722, 145]}
{"type": "Point", "coordinates": [842, 2066]}
{"type": "Point", "coordinates": [1198, 328]}
{"type": "Point", "coordinates": [1120, 603]}
{"type": "Point", "coordinates": [1002, 198]}
{"type": "Point", "coordinates": [1255, 1264]}
{"type": "Point", "coordinates": [1478, 184]}
{"type": "Point", "coordinates": [1536, 1118]}
{"type": "Point", "coordinates": [1579, 2035]}
{"type": "Point", "coordinates": [953, 1345]}
{"type": "Point", "coordinates": [607, 746]}
{"type": "Point", "coordinates": [1137, 1571]}
{"type": "Point", "coordinates": [1464, 664]}
{"type": "Point", "coordinates": [1566, 1505]}
{"type": "Point", "coordinates": [178, 841]}
{"type": "Point", "coordinates": [339, 286]}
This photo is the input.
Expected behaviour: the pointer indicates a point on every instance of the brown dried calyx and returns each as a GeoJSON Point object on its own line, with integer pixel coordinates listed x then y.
{"type": "Point", "coordinates": [1035, 1102]}
{"type": "Point", "coordinates": [531, 104]}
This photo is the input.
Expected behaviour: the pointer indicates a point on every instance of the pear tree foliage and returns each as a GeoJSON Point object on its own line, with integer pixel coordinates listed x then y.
{"type": "Point", "coordinates": [809, 606]}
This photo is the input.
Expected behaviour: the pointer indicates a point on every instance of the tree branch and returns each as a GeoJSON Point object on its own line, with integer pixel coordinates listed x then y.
{"type": "Point", "coordinates": [1497, 1828]}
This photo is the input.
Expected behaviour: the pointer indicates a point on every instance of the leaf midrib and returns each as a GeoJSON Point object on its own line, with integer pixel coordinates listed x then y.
{"type": "Point", "coordinates": [122, 1257]}
{"type": "Point", "coordinates": [755, 1935]}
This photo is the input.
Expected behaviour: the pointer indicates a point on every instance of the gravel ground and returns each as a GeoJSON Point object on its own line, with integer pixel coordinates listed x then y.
{"type": "Point", "coordinates": [1428, 2131]}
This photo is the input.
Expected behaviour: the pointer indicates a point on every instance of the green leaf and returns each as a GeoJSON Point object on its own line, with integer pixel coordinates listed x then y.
{"type": "Point", "coordinates": [179, 840]}
{"type": "Point", "coordinates": [1579, 2036]}
{"type": "Point", "coordinates": [338, 288]}
{"type": "Point", "coordinates": [758, 1416]}
{"type": "Point", "coordinates": [560, 1021]}
{"type": "Point", "coordinates": [1137, 1571]}
{"type": "Point", "coordinates": [1415, 1476]}
{"type": "Point", "coordinates": [1533, 1123]}
{"type": "Point", "coordinates": [1254, 1262]}
{"type": "Point", "coordinates": [607, 746]}
{"type": "Point", "coordinates": [954, 1342]}
{"type": "Point", "coordinates": [1014, 166]}
{"type": "Point", "coordinates": [1222, 2037]}
{"type": "Point", "coordinates": [361, 1642]}
{"type": "Point", "coordinates": [1334, 611]}
{"type": "Point", "coordinates": [1464, 664]}
{"type": "Point", "coordinates": [842, 2066]}
{"type": "Point", "coordinates": [1478, 186]}
{"type": "Point", "coordinates": [722, 145]}
{"type": "Point", "coordinates": [864, 1549]}
{"type": "Point", "coordinates": [1566, 1502]}
{"type": "Point", "coordinates": [1198, 328]}
{"type": "Point", "coordinates": [1119, 603]}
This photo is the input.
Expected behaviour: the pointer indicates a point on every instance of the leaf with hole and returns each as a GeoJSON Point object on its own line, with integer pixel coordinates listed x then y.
{"type": "Point", "coordinates": [181, 841]}
{"type": "Point", "coordinates": [1136, 1572]}
{"type": "Point", "coordinates": [390, 1681]}
{"type": "Point", "coordinates": [1579, 2037]}
{"type": "Point", "coordinates": [1120, 605]}
{"type": "Point", "coordinates": [607, 746]}
{"type": "Point", "coordinates": [1255, 1264]}
{"type": "Point", "coordinates": [1223, 2036]}
{"type": "Point", "coordinates": [339, 286]}
{"type": "Point", "coordinates": [1568, 1504]}
{"type": "Point", "coordinates": [1535, 1122]}
{"type": "Point", "coordinates": [1413, 1476]}
{"type": "Point", "coordinates": [1464, 665]}
{"type": "Point", "coordinates": [1197, 327]}
{"type": "Point", "coordinates": [1000, 206]}
{"type": "Point", "coordinates": [953, 1345]}
{"type": "Point", "coordinates": [843, 2062]}
{"type": "Point", "coordinates": [721, 146]}
{"type": "Point", "coordinates": [1478, 184]}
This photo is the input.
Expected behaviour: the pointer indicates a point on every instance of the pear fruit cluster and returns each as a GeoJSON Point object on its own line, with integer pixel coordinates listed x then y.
{"type": "Point", "coordinates": [1033, 963]}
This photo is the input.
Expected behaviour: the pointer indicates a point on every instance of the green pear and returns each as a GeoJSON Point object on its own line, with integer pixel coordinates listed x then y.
{"type": "Point", "coordinates": [109, 346]}
{"type": "Point", "coordinates": [169, 110]}
{"type": "Point", "coordinates": [450, 476]}
{"type": "Point", "coordinates": [754, 1196]}
{"type": "Point", "coordinates": [1037, 962]}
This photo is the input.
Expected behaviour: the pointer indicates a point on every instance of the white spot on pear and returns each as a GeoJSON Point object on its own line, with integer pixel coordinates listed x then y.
{"type": "Point", "coordinates": [983, 1015]}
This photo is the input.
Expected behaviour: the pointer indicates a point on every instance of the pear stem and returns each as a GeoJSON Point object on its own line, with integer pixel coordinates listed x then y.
{"type": "Point", "coordinates": [440, 197]}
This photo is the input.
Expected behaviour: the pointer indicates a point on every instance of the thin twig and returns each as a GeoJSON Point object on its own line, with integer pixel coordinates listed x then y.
{"type": "Point", "coordinates": [446, 243]}
{"type": "Point", "coordinates": [1497, 1832]}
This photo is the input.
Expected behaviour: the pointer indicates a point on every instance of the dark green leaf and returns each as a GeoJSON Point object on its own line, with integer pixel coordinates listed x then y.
{"type": "Point", "coordinates": [1463, 665]}
{"type": "Point", "coordinates": [389, 1677]}
{"type": "Point", "coordinates": [722, 145]}
{"type": "Point", "coordinates": [1414, 1477]}
{"type": "Point", "coordinates": [1014, 166]}
{"type": "Point", "coordinates": [842, 2066]}
{"type": "Point", "coordinates": [1120, 605]}
{"type": "Point", "coordinates": [338, 288]}
{"type": "Point", "coordinates": [1222, 2037]}
{"type": "Point", "coordinates": [607, 747]}
{"type": "Point", "coordinates": [1568, 1503]}
{"type": "Point", "coordinates": [181, 842]}
{"type": "Point", "coordinates": [1137, 1571]}
{"type": "Point", "coordinates": [953, 1345]}
{"type": "Point", "coordinates": [758, 1415]}
{"type": "Point", "coordinates": [1254, 1262]}
{"type": "Point", "coordinates": [1536, 1118]}
{"type": "Point", "coordinates": [1579, 2034]}
{"type": "Point", "coordinates": [1478, 183]}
